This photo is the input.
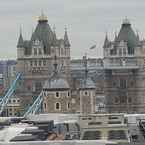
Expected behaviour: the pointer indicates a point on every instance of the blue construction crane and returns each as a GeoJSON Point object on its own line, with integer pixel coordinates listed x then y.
{"type": "Point", "coordinates": [5, 99]}
{"type": "Point", "coordinates": [35, 106]}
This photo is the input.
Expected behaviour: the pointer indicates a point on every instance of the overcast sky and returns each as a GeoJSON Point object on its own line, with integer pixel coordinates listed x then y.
{"type": "Point", "coordinates": [87, 21]}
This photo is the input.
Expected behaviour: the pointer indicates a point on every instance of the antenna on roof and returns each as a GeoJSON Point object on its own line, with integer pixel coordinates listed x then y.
{"type": "Point", "coordinates": [42, 17]}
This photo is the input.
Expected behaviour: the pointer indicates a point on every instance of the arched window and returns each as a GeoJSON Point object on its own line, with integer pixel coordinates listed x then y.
{"type": "Point", "coordinates": [68, 105]}
{"type": "Point", "coordinates": [57, 106]}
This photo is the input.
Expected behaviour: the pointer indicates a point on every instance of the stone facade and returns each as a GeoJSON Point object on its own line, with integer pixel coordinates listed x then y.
{"type": "Point", "coordinates": [36, 57]}
{"type": "Point", "coordinates": [124, 71]}
{"type": "Point", "coordinates": [119, 77]}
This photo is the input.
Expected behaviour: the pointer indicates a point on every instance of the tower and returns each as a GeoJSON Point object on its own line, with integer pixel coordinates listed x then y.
{"type": "Point", "coordinates": [87, 94]}
{"type": "Point", "coordinates": [124, 72]}
{"type": "Point", "coordinates": [56, 93]}
{"type": "Point", "coordinates": [36, 57]}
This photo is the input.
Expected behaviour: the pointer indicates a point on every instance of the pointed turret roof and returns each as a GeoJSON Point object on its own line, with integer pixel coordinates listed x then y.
{"type": "Point", "coordinates": [43, 32]}
{"type": "Point", "coordinates": [54, 41]}
{"type": "Point", "coordinates": [106, 42]}
{"type": "Point", "coordinates": [66, 40]}
{"type": "Point", "coordinates": [20, 41]}
{"type": "Point", "coordinates": [127, 34]}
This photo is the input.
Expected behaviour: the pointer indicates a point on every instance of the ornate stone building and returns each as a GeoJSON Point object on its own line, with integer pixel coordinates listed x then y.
{"type": "Point", "coordinates": [124, 78]}
{"type": "Point", "coordinates": [118, 78]}
{"type": "Point", "coordinates": [56, 96]}
{"type": "Point", "coordinates": [35, 58]}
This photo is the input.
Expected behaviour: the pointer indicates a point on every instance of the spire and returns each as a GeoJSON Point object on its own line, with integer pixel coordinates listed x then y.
{"type": "Point", "coordinates": [115, 39]}
{"type": "Point", "coordinates": [66, 40]}
{"type": "Point", "coordinates": [42, 18]}
{"type": "Point", "coordinates": [20, 40]}
{"type": "Point", "coordinates": [126, 21]}
{"type": "Point", "coordinates": [106, 42]}
{"type": "Point", "coordinates": [54, 36]}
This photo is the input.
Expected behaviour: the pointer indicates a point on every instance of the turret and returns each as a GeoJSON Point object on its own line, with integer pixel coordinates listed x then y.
{"type": "Point", "coordinates": [54, 40]}
{"type": "Point", "coordinates": [87, 93]}
{"type": "Point", "coordinates": [66, 40]}
{"type": "Point", "coordinates": [106, 42]}
{"type": "Point", "coordinates": [20, 46]}
{"type": "Point", "coordinates": [20, 41]}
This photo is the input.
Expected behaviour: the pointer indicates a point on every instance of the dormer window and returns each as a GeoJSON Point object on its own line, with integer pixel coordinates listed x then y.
{"type": "Point", "coordinates": [36, 42]}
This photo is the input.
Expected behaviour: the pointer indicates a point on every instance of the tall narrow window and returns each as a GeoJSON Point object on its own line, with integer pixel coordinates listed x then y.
{"type": "Point", "coordinates": [45, 105]}
{"type": "Point", "coordinates": [31, 63]}
{"type": "Point", "coordinates": [123, 83]}
{"type": "Point", "coordinates": [57, 106]}
{"type": "Point", "coordinates": [57, 94]}
{"type": "Point", "coordinates": [68, 105]}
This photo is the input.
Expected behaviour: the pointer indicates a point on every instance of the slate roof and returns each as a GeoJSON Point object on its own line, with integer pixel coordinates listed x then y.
{"type": "Point", "coordinates": [127, 34]}
{"type": "Point", "coordinates": [43, 33]}
{"type": "Point", "coordinates": [57, 83]}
